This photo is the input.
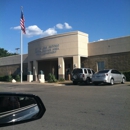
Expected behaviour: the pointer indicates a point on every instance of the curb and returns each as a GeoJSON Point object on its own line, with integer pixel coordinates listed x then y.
{"type": "Point", "coordinates": [46, 83]}
{"type": "Point", "coordinates": [38, 83]}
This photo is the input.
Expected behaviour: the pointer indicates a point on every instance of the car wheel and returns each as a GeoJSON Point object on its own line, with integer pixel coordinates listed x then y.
{"type": "Point", "coordinates": [87, 81]}
{"type": "Point", "coordinates": [123, 81]}
{"type": "Point", "coordinates": [112, 81]}
{"type": "Point", "coordinates": [75, 83]}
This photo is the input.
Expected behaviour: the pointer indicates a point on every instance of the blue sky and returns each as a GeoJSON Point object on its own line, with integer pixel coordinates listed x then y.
{"type": "Point", "coordinates": [101, 19]}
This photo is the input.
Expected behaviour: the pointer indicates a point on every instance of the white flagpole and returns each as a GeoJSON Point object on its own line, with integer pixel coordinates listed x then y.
{"type": "Point", "coordinates": [21, 56]}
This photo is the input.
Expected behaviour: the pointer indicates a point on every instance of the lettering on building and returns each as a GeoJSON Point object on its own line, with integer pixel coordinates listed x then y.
{"type": "Point", "coordinates": [50, 49]}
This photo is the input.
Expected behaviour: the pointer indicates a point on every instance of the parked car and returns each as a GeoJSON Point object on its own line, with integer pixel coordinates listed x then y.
{"type": "Point", "coordinates": [110, 76]}
{"type": "Point", "coordinates": [82, 75]}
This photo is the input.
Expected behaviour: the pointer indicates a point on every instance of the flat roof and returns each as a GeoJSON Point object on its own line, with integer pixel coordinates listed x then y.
{"type": "Point", "coordinates": [60, 35]}
{"type": "Point", "coordinates": [110, 39]}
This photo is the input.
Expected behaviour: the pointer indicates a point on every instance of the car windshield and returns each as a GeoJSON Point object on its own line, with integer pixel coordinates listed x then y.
{"type": "Point", "coordinates": [77, 71]}
{"type": "Point", "coordinates": [103, 71]}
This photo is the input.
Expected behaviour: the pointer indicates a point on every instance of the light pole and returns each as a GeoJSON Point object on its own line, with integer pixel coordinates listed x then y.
{"type": "Point", "coordinates": [17, 50]}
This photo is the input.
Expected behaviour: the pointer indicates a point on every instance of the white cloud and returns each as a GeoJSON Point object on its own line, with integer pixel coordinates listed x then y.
{"type": "Point", "coordinates": [63, 26]}
{"type": "Point", "coordinates": [67, 26]}
{"type": "Point", "coordinates": [100, 39]}
{"type": "Point", "coordinates": [9, 51]}
{"type": "Point", "coordinates": [16, 28]}
{"type": "Point", "coordinates": [60, 26]}
{"type": "Point", "coordinates": [49, 31]}
{"type": "Point", "coordinates": [31, 31]}
{"type": "Point", "coordinates": [34, 30]}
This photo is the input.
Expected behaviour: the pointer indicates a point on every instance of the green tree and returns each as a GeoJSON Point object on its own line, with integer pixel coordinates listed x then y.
{"type": "Point", "coordinates": [5, 53]}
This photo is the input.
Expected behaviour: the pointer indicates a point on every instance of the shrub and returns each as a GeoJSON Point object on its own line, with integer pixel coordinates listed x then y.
{"type": "Point", "coordinates": [13, 76]}
{"type": "Point", "coordinates": [127, 75]}
{"type": "Point", "coordinates": [1, 78]}
{"type": "Point", "coordinates": [61, 80]}
{"type": "Point", "coordinates": [51, 78]}
{"type": "Point", "coordinates": [8, 78]}
{"type": "Point", "coordinates": [17, 78]}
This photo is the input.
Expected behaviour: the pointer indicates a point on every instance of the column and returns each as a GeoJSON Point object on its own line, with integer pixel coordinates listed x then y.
{"type": "Point", "coordinates": [35, 70]}
{"type": "Point", "coordinates": [61, 68]}
{"type": "Point", "coordinates": [76, 62]}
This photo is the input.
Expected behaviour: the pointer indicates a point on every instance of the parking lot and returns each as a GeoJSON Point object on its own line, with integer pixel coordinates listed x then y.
{"type": "Point", "coordinates": [74, 107]}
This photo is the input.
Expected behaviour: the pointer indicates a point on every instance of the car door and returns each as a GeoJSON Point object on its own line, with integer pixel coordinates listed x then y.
{"type": "Point", "coordinates": [118, 75]}
{"type": "Point", "coordinates": [90, 73]}
{"type": "Point", "coordinates": [114, 75]}
{"type": "Point", "coordinates": [86, 73]}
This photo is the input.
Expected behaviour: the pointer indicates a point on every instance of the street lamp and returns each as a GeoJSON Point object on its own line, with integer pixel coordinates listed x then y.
{"type": "Point", "coordinates": [17, 50]}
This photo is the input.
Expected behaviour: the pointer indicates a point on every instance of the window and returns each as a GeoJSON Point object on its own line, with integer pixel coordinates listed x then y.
{"type": "Point", "coordinates": [85, 71]}
{"type": "Point", "coordinates": [89, 71]}
{"type": "Point", "coordinates": [115, 72]}
{"type": "Point", "coordinates": [93, 72]}
{"type": "Point", "coordinates": [103, 71]}
{"type": "Point", "coordinates": [100, 65]}
{"type": "Point", "coordinates": [75, 71]}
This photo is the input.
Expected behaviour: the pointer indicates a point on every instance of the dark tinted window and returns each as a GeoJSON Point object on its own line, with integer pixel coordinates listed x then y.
{"type": "Point", "coordinates": [93, 72]}
{"type": "Point", "coordinates": [77, 71]}
{"type": "Point", "coordinates": [89, 71]}
{"type": "Point", "coordinates": [103, 71]}
{"type": "Point", "coordinates": [85, 71]}
{"type": "Point", "coordinates": [115, 72]}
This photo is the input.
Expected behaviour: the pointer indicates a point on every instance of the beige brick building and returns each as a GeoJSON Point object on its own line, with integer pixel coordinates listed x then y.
{"type": "Point", "coordinates": [59, 53]}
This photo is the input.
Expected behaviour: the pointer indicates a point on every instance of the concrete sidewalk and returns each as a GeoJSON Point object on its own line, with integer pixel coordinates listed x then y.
{"type": "Point", "coordinates": [64, 83]}
{"type": "Point", "coordinates": [46, 83]}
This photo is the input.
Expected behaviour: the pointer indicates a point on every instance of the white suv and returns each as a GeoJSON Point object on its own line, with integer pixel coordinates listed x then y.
{"type": "Point", "coordinates": [82, 75]}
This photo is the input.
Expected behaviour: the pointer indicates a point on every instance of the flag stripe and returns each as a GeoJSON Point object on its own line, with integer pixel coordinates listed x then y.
{"type": "Point", "coordinates": [22, 23]}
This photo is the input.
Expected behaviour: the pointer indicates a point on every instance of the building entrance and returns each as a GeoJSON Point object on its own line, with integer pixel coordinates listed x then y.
{"type": "Point", "coordinates": [48, 66]}
{"type": "Point", "coordinates": [68, 67]}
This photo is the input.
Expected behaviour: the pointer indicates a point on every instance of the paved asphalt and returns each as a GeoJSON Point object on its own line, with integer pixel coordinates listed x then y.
{"type": "Point", "coordinates": [78, 107]}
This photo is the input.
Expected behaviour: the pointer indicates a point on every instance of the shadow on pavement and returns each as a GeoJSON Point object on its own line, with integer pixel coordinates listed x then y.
{"type": "Point", "coordinates": [66, 83]}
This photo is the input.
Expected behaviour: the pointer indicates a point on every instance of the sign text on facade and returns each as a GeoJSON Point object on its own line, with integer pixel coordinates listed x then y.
{"type": "Point", "coordinates": [50, 49]}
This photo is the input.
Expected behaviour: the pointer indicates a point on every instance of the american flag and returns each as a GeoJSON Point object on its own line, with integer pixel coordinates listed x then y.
{"type": "Point", "coordinates": [22, 23]}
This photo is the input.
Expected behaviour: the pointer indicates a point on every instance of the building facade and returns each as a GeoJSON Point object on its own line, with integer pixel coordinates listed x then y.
{"type": "Point", "coordinates": [60, 54]}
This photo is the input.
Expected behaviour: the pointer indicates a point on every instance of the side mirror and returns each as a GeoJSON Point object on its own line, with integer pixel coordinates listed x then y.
{"type": "Point", "coordinates": [19, 108]}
